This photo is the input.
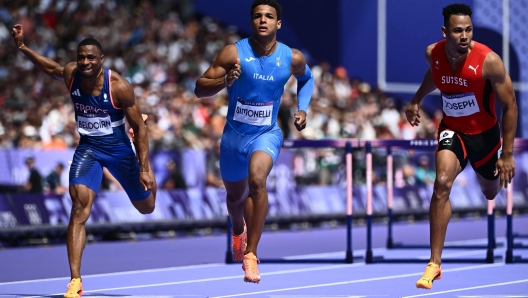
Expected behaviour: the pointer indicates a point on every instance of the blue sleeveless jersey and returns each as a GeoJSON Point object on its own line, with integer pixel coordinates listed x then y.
{"type": "Point", "coordinates": [254, 98]}
{"type": "Point", "coordinates": [99, 122]}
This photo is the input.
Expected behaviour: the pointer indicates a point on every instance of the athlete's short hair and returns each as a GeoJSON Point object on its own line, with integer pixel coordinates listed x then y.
{"type": "Point", "coordinates": [272, 3]}
{"type": "Point", "coordinates": [455, 9]}
{"type": "Point", "coordinates": [90, 42]}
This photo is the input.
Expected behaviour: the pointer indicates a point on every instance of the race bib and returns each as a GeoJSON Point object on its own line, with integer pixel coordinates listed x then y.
{"type": "Point", "coordinates": [460, 105]}
{"type": "Point", "coordinates": [94, 126]}
{"type": "Point", "coordinates": [254, 113]}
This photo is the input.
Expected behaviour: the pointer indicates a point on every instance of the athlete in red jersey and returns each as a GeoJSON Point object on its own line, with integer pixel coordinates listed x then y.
{"type": "Point", "coordinates": [469, 75]}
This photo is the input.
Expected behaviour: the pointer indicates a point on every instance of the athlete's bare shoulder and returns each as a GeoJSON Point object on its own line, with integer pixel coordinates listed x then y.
{"type": "Point", "coordinates": [493, 66]}
{"type": "Point", "coordinates": [429, 52]}
{"type": "Point", "coordinates": [122, 91]}
{"type": "Point", "coordinates": [298, 63]}
{"type": "Point", "coordinates": [429, 48]}
{"type": "Point", "coordinates": [227, 55]}
{"type": "Point", "coordinates": [68, 73]}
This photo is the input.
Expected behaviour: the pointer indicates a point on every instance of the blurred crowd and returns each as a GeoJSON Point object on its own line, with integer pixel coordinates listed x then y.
{"type": "Point", "coordinates": [163, 47]}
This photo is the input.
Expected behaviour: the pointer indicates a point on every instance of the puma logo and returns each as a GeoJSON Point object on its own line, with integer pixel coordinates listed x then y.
{"type": "Point", "coordinates": [474, 68]}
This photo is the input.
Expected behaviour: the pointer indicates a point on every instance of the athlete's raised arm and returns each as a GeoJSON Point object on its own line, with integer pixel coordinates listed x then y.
{"type": "Point", "coordinates": [495, 72]}
{"type": "Point", "coordinates": [44, 64]}
{"type": "Point", "coordinates": [427, 86]}
{"type": "Point", "coordinates": [124, 97]}
{"type": "Point", "coordinates": [223, 73]}
{"type": "Point", "coordinates": [305, 86]}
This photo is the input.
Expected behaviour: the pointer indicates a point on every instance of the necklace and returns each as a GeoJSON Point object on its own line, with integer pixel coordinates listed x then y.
{"type": "Point", "coordinates": [93, 79]}
{"type": "Point", "coordinates": [449, 54]}
{"type": "Point", "coordinates": [264, 47]}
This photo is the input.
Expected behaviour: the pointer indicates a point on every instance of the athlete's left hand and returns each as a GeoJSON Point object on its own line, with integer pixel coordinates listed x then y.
{"type": "Point", "coordinates": [146, 179]}
{"type": "Point", "coordinates": [506, 168]}
{"type": "Point", "coordinates": [300, 120]}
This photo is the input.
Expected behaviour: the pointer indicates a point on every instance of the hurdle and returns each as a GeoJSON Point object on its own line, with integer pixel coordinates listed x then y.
{"type": "Point", "coordinates": [349, 257]}
{"type": "Point", "coordinates": [431, 144]}
{"type": "Point", "coordinates": [413, 144]}
{"type": "Point", "coordinates": [510, 236]}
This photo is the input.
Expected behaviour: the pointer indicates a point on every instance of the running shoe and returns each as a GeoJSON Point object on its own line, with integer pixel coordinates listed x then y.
{"type": "Point", "coordinates": [239, 244]}
{"type": "Point", "coordinates": [250, 268]}
{"type": "Point", "coordinates": [75, 289]}
{"type": "Point", "coordinates": [432, 272]}
{"type": "Point", "coordinates": [131, 131]}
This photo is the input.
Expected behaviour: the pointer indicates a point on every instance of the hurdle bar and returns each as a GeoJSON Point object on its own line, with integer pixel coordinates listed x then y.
{"type": "Point", "coordinates": [349, 257]}
{"type": "Point", "coordinates": [430, 144]}
{"type": "Point", "coordinates": [413, 144]}
{"type": "Point", "coordinates": [510, 236]}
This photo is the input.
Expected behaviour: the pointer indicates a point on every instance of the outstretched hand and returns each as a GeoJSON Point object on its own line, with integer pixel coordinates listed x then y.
{"type": "Point", "coordinates": [300, 120]}
{"type": "Point", "coordinates": [233, 74]}
{"type": "Point", "coordinates": [411, 112]}
{"type": "Point", "coordinates": [18, 35]}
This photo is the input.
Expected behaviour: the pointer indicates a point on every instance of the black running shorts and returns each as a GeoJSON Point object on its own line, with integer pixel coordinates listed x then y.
{"type": "Point", "coordinates": [481, 150]}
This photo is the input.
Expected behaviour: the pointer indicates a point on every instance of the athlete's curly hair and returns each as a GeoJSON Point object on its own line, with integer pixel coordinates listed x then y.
{"type": "Point", "coordinates": [455, 9]}
{"type": "Point", "coordinates": [90, 42]}
{"type": "Point", "coordinates": [272, 3]}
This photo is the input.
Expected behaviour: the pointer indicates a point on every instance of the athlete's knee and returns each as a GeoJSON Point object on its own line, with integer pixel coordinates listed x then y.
{"type": "Point", "coordinates": [257, 184]}
{"type": "Point", "coordinates": [147, 206]}
{"type": "Point", "coordinates": [443, 185]}
{"type": "Point", "coordinates": [236, 198]}
{"type": "Point", "coordinates": [79, 214]}
{"type": "Point", "coordinates": [490, 194]}
{"type": "Point", "coordinates": [146, 210]}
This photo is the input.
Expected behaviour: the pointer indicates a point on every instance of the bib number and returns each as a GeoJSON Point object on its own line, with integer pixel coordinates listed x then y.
{"type": "Point", "coordinates": [94, 126]}
{"type": "Point", "coordinates": [460, 105]}
{"type": "Point", "coordinates": [253, 113]}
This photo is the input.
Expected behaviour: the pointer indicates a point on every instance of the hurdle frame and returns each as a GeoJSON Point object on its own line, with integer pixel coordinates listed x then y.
{"type": "Point", "coordinates": [510, 258]}
{"type": "Point", "coordinates": [349, 256]}
{"type": "Point", "coordinates": [413, 144]}
{"type": "Point", "coordinates": [390, 241]}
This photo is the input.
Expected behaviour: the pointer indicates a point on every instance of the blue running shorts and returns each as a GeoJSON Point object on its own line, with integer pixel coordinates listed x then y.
{"type": "Point", "coordinates": [119, 159]}
{"type": "Point", "coordinates": [236, 150]}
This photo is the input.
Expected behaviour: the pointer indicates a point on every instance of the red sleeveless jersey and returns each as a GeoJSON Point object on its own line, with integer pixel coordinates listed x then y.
{"type": "Point", "coordinates": [468, 99]}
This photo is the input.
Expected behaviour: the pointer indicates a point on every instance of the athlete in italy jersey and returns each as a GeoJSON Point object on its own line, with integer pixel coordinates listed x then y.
{"type": "Point", "coordinates": [470, 77]}
{"type": "Point", "coordinates": [255, 98]}
{"type": "Point", "coordinates": [254, 101]}
{"type": "Point", "coordinates": [254, 70]}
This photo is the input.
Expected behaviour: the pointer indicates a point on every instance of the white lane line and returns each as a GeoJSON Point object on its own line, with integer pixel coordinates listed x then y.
{"type": "Point", "coordinates": [116, 273]}
{"type": "Point", "coordinates": [474, 288]}
{"type": "Point", "coordinates": [218, 278]}
{"type": "Point", "coordinates": [321, 255]}
{"type": "Point", "coordinates": [361, 280]}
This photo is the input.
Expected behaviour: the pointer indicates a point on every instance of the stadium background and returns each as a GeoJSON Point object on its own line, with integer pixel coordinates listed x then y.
{"type": "Point", "coordinates": [367, 59]}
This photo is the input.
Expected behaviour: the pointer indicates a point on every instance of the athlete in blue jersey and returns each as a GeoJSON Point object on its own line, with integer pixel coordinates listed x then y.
{"type": "Point", "coordinates": [254, 71]}
{"type": "Point", "coordinates": [102, 100]}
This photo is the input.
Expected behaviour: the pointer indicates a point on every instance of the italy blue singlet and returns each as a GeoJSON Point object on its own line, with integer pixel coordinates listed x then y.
{"type": "Point", "coordinates": [104, 142]}
{"type": "Point", "coordinates": [254, 100]}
